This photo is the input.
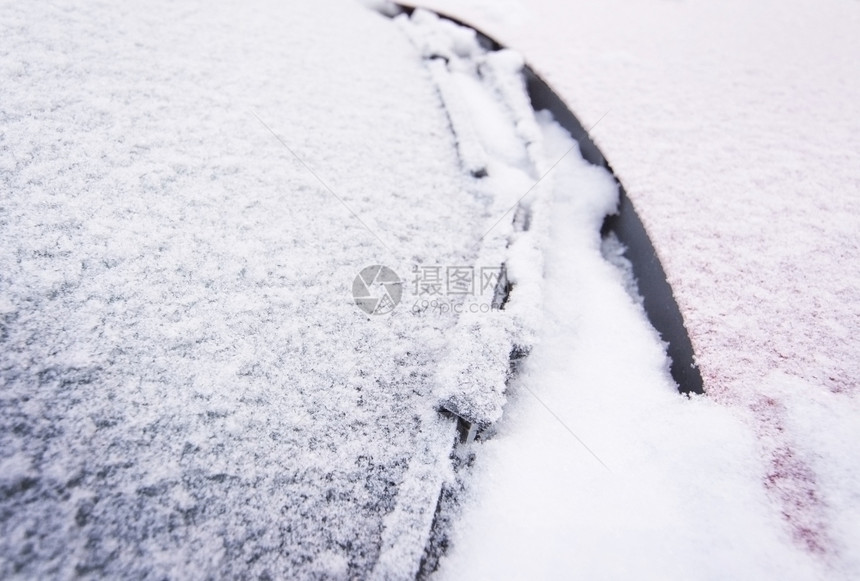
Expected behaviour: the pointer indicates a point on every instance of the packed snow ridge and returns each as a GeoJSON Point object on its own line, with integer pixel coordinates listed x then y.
{"type": "Point", "coordinates": [499, 140]}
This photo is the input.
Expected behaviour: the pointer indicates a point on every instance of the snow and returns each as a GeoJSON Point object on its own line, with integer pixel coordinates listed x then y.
{"type": "Point", "coordinates": [187, 387]}
{"type": "Point", "coordinates": [599, 468]}
{"type": "Point", "coordinates": [734, 129]}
